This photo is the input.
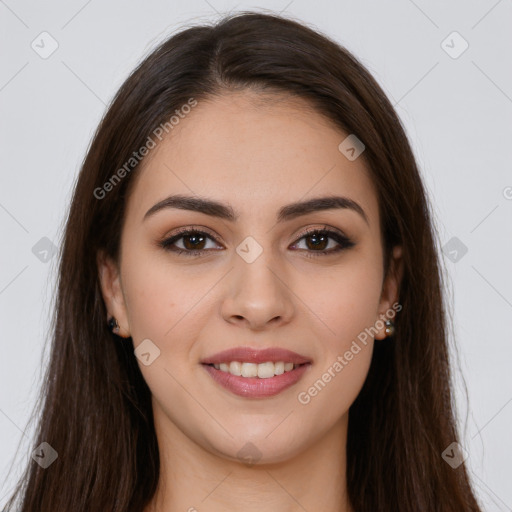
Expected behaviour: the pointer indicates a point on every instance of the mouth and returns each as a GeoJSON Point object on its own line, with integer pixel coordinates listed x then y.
{"type": "Point", "coordinates": [256, 373]}
{"type": "Point", "coordinates": [250, 380]}
{"type": "Point", "coordinates": [265, 370]}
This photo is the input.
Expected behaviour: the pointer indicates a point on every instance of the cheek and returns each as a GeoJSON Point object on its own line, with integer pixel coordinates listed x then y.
{"type": "Point", "coordinates": [161, 298]}
{"type": "Point", "coordinates": [330, 391]}
{"type": "Point", "coordinates": [346, 300]}
{"type": "Point", "coordinates": [151, 300]}
{"type": "Point", "coordinates": [167, 306]}
{"type": "Point", "coordinates": [347, 305]}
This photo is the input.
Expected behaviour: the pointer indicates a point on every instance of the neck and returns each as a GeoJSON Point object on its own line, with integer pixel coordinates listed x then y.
{"type": "Point", "coordinates": [193, 478]}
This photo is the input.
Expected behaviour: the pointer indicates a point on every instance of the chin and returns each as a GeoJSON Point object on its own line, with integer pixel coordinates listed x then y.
{"type": "Point", "coordinates": [261, 449]}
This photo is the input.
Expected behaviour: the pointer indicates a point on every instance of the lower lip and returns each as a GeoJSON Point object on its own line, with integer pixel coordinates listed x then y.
{"type": "Point", "coordinates": [254, 387]}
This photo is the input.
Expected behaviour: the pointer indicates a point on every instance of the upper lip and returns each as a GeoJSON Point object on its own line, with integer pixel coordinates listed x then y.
{"type": "Point", "coordinates": [253, 355]}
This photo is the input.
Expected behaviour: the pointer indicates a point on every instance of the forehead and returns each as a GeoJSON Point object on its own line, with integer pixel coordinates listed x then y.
{"type": "Point", "coordinates": [254, 152]}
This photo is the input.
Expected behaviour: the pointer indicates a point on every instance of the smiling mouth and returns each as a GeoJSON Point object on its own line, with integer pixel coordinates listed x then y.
{"type": "Point", "coordinates": [265, 370]}
{"type": "Point", "coordinates": [256, 381]}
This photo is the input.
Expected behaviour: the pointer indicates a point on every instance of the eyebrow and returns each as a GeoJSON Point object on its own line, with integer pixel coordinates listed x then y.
{"type": "Point", "coordinates": [226, 212]}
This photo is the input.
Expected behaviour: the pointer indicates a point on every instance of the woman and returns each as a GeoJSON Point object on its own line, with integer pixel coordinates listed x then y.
{"type": "Point", "coordinates": [250, 307]}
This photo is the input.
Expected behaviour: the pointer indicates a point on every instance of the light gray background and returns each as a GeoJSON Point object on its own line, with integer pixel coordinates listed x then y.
{"type": "Point", "coordinates": [457, 112]}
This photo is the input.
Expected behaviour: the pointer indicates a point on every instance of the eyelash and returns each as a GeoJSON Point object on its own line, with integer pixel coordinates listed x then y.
{"type": "Point", "coordinates": [345, 242]}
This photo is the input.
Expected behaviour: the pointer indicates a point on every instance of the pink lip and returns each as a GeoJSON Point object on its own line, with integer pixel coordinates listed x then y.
{"type": "Point", "coordinates": [254, 387]}
{"type": "Point", "coordinates": [252, 355]}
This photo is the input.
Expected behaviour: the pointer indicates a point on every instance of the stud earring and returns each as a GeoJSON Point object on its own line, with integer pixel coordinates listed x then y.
{"type": "Point", "coordinates": [390, 327]}
{"type": "Point", "coordinates": [114, 326]}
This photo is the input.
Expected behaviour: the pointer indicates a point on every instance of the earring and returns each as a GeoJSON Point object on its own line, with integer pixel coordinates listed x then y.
{"type": "Point", "coordinates": [390, 327]}
{"type": "Point", "coordinates": [113, 325]}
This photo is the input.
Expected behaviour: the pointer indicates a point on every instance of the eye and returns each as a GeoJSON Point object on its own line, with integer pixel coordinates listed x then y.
{"type": "Point", "coordinates": [193, 242]}
{"type": "Point", "coordinates": [320, 241]}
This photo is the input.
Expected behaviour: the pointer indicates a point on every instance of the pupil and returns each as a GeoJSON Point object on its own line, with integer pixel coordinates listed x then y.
{"type": "Point", "coordinates": [316, 237]}
{"type": "Point", "coordinates": [194, 242]}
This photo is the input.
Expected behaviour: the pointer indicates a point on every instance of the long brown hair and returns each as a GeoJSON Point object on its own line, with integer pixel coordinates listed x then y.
{"type": "Point", "coordinates": [95, 405]}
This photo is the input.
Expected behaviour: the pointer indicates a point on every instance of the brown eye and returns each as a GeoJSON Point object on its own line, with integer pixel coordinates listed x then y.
{"type": "Point", "coordinates": [193, 242]}
{"type": "Point", "coordinates": [317, 242]}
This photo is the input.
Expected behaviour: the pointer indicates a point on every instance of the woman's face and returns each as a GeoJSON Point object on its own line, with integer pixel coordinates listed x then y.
{"type": "Point", "coordinates": [256, 281]}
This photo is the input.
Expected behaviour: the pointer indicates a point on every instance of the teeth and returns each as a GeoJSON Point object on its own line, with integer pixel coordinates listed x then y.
{"type": "Point", "coordinates": [235, 368]}
{"type": "Point", "coordinates": [250, 369]}
{"type": "Point", "coordinates": [265, 370]}
{"type": "Point", "coordinates": [279, 368]}
{"type": "Point", "coordinates": [262, 370]}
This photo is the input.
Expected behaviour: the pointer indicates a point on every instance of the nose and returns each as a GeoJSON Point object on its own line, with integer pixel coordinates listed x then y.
{"type": "Point", "coordinates": [258, 294]}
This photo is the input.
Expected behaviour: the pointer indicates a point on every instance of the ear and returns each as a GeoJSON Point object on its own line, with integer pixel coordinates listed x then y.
{"type": "Point", "coordinates": [390, 288]}
{"type": "Point", "coordinates": [112, 292]}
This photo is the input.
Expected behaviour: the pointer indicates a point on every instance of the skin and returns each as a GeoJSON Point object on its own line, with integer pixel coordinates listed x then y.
{"type": "Point", "coordinates": [257, 156]}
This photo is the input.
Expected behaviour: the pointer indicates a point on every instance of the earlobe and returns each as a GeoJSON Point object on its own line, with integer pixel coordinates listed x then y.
{"type": "Point", "coordinates": [111, 289]}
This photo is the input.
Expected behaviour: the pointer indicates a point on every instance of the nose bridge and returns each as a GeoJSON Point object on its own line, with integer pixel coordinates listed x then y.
{"type": "Point", "coordinates": [257, 267]}
{"type": "Point", "coordinates": [257, 286]}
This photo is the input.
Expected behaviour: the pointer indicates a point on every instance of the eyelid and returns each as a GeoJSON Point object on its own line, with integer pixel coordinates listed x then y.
{"type": "Point", "coordinates": [324, 227]}
{"type": "Point", "coordinates": [194, 228]}
{"type": "Point", "coordinates": [297, 236]}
